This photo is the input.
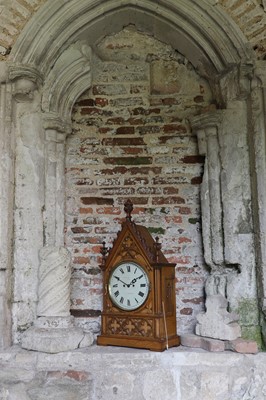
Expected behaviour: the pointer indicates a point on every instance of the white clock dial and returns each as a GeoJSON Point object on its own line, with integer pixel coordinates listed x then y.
{"type": "Point", "coordinates": [128, 286]}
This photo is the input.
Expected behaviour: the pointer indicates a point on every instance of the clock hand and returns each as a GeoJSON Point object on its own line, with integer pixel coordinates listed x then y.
{"type": "Point", "coordinates": [120, 280]}
{"type": "Point", "coordinates": [135, 280]}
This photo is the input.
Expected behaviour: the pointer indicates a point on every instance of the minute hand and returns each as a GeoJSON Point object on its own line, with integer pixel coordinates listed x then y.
{"type": "Point", "coordinates": [122, 281]}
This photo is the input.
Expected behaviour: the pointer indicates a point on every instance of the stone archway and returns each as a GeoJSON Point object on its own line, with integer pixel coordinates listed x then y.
{"type": "Point", "coordinates": [41, 81]}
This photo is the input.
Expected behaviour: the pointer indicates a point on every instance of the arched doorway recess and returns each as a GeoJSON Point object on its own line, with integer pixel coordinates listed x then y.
{"type": "Point", "coordinates": [50, 66]}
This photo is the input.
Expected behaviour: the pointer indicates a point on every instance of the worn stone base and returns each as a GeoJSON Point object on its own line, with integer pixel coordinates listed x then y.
{"type": "Point", "coordinates": [55, 340]}
{"type": "Point", "coordinates": [113, 373]}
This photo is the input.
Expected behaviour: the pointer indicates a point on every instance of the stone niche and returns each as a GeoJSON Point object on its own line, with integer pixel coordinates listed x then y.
{"type": "Point", "coordinates": [132, 138]}
{"type": "Point", "coordinates": [110, 121]}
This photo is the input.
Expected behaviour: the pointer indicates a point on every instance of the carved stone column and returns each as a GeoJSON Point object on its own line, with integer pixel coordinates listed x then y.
{"type": "Point", "coordinates": [258, 160]}
{"type": "Point", "coordinates": [54, 329]}
{"type": "Point", "coordinates": [6, 205]}
{"type": "Point", "coordinates": [226, 201]}
{"type": "Point", "coordinates": [55, 135]}
{"type": "Point", "coordinates": [29, 192]}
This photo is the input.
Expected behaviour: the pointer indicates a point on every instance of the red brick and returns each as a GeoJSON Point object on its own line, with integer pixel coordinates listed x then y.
{"type": "Point", "coordinates": [81, 260]}
{"type": "Point", "coordinates": [79, 376]}
{"type": "Point", "coordinates": [195, 159]}
{"type": "Point", "coordinates": [213, 345]}
{"type": "Point", "coordinates": [125, 130]}
{"type": "Point", "coordinates": [86, 103]}
{"type": "Point", "coordinates": [174, 128]}
{"type": "Point", "coordinates": [170, 190]}
{"type": "Point", "coordinates": [186, 311]}
{"type": "Point", "coordinates": [96, 200]}
{"type": "Point", "coordinates": [96, 249]}
{"type": "Point", "coordinates": [91, 111]}
{"type": "Point", "coordinates": [115, 121]}
{"type": "Point", "coordinates": [184, 239]}
{"type": "Point", "coordinates": [176, 219]}
{"type": "Point", "coordinates": [135, 200]}
{"type": "Point", "coordinates": [197, 180]}
{"type": "Point", "coordinates": [185, 210]}
{"type": "Point", "coordinates": [133, 150]}
{"type": "Point", "coordinates": [101, 102]}
{"type": "Point", "coordinates": [105, 130]}
{"type": "Point", "coordinates": [136, 121]}
{"type": "Point", "coordinates": [84, 210]}
{"type": "Point", "coordinates": [242, 346]}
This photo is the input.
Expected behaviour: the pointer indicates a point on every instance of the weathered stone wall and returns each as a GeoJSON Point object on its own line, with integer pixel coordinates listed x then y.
{"type": "Point", "coordinates": [119, 374]}
{"type": "Point", "coordinates": [132, 139]}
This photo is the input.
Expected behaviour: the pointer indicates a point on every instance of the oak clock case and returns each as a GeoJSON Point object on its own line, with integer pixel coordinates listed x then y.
{"type": "Point", "coordinates": [139, 306]}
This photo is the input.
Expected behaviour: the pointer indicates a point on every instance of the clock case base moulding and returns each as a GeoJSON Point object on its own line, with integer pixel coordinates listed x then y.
{"type": "Point", "coordinates": [140, 343]}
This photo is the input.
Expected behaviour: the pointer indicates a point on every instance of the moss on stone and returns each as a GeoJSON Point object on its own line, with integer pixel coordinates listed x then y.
{"type": "Point", "coordinates": [252, 333]}
{"type": "Point", "coordinates": [249, 320]}
{"type": "Point", "coordinates": [193, 221]}
{"type": "Point", "coordinates": [158, 231]}
{"type": "Point", "coordinates": [248, 312]}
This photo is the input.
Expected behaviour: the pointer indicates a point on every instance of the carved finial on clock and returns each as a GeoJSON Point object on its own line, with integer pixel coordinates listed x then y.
{"type": "Point", "coordinates": [157, 248]}
{"type": "Point", "coordinates": [104, 251]}
{"type": "Point", "coordinates": [128, 208]}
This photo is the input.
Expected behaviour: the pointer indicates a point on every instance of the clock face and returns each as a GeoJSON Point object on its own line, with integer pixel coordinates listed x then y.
{"type": "Point", "coordinates": [128, 286]}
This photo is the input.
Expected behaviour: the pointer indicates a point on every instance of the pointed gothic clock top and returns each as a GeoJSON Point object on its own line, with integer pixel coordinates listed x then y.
{"type": "Point", "coordinates": [151, 247]}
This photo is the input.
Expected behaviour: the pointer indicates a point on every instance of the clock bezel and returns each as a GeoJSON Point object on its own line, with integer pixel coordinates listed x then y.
{"type": "Point", "coordinates": [124, 262]}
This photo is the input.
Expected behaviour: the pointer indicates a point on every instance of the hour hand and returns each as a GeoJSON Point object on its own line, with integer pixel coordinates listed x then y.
{"type": "Point", "coordinates": [135, 280]}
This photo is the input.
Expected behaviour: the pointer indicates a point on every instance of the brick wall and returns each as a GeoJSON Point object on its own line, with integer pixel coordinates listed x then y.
{"type": "Point", "coordinates": [249, 15]}
{"type": "Point", "coordinates": [132, 139]}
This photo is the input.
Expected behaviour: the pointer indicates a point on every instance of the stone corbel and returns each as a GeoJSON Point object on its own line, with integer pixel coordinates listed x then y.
{"type": "Point", "coordinates": [56, 131]}
{"type": "Point", "coordinates": [235, 84]}
{"type": "Point", "coordinates": [26, 80]}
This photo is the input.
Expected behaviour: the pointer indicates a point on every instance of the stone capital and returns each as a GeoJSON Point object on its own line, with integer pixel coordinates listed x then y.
{"type": "Point", "coordinates": [207, 121]}
{"type": "Point", "coordinates": [25, 72]}
{"type": "Point", "coordinates": [260, 73]}
{"type": "Point", "coordinates": [56, 127]}
{"type": "Point", "coordinates": [25, 81]}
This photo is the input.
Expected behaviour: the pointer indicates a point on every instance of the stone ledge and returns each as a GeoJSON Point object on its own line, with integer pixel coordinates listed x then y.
{"type": "Point", "coordinates": [115, 373]}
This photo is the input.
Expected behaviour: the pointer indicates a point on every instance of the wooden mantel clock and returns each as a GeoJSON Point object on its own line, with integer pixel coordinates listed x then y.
{"type": "Point", "coordinates": [139, 307]}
